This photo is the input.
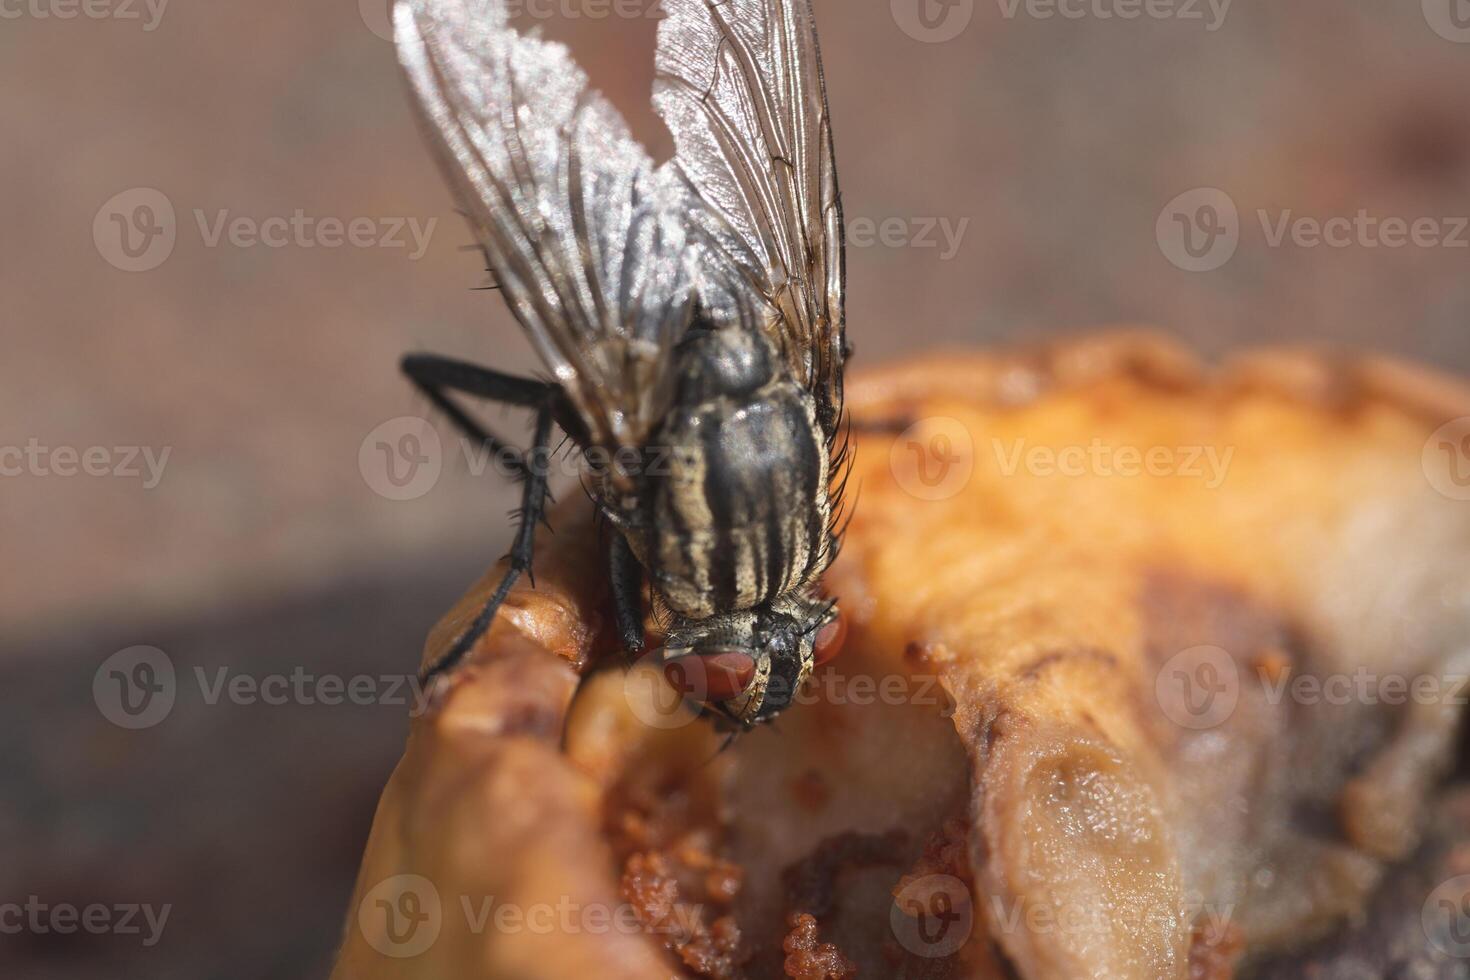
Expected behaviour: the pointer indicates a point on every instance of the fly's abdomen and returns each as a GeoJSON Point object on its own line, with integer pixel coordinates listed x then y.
{"type": "Point", "coordinates": [740, 513]}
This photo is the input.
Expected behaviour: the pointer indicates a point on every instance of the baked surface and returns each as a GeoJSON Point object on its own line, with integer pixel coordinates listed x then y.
{"type": "Point", "coordinates": [1048, 548]}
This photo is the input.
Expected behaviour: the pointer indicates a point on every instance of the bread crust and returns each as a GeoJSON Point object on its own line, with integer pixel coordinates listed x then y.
{"type": "Point", "coordinates": [1104, 833]}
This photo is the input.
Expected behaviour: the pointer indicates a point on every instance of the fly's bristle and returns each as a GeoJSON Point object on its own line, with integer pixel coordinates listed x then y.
{"type": "Point", "coordinates": [843, 428]}
{"type": "Point", "coordinates": [847, 513]}
{"type": "Point", "coordinates": [591, 495]}
{"type": "Point", "coordinates": [820, 618]}
{"type": "Point", "coordinates": [837, 493]}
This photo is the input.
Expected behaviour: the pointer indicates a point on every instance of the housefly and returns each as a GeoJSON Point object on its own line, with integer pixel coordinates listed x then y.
{"type": "Point", "coordinates": [689, 313]}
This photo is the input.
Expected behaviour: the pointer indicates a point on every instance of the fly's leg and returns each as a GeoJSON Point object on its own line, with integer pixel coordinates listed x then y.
{"type": "Point", "coordinates": [436, 377]}
{"type": "Point", "coordinates": [531, 513]}
{"type": "Point", "coordinates": [626, 578]}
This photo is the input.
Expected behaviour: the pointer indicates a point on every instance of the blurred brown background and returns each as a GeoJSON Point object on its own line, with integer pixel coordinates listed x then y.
{"type": "Point", "coordinates": [1008, 169]}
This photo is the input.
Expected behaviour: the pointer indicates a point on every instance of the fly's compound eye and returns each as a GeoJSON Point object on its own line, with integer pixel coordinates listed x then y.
{"type": "Point", "coordinates": [829, 640]}
{"type": "Point", "coordinates": [711, 675]}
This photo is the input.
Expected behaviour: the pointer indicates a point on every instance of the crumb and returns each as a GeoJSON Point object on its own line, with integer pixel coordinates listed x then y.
{"type": "Point", "coordinates": [930, 656]}
{"type": "Point", "coordinates": [650, 888]}
{"type": "Point", "coordinates": [809, 959]}
{"type": "Point", "coordinates": [713, 952]}
{"type": "Point", "coordinates": [707, 950]}
{"type": "Point", "coordinates": [680, 888]}
{"type": "Point", "coordinates": [946, 852]}
{"type": "Point", "coordinates": [1213, 957]}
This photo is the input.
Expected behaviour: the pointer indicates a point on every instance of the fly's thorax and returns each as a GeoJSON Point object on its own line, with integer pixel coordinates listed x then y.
{"type": "Point", "coordinates": [740, 513]}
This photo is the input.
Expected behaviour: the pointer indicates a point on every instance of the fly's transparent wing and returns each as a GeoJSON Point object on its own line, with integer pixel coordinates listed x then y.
{"type": "Point", "coordinates": [588, 242]}
{"type": "Point", "coordinates": [740, 86]}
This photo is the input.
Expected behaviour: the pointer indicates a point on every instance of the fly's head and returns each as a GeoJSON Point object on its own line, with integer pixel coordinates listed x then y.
{"type": "Point", "coordinates": [745, 668]}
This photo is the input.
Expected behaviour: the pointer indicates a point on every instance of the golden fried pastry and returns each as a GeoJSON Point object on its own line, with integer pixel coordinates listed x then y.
{"type": "Point", "coordinates": [1152, 670]}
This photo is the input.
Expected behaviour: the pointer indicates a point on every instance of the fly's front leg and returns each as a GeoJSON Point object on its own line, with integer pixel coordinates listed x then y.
{"type": "Point", "coordinates": [533, 508]}
{"type": "Point", "coordinates": [626, 577]}
{"type": "Point", "coordinates": [437, 377]}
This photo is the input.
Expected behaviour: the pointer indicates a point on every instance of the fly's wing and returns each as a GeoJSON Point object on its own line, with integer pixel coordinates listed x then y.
{"type": "Point", "coordinates": [587, 240]}
{"type": "Point", "coordinates": [740, 86]}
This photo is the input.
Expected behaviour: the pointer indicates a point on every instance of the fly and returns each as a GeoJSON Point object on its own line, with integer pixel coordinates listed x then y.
{"type": "Point", "coordinates": [691, 312]}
